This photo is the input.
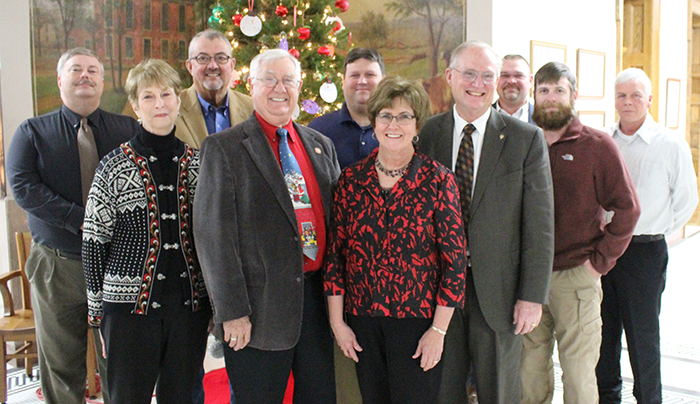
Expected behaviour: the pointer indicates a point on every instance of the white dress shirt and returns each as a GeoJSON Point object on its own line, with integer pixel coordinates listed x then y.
{"type": "Point", "coordinates": [523, 113]}
{"type": "Point", "coordinates": [661, 166]}
{"type": "Point", "coordinates": [477, 138]}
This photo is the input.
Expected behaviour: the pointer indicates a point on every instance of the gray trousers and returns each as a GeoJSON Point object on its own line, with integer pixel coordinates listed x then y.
{"type": "Point", "coordinates": [59, 300]}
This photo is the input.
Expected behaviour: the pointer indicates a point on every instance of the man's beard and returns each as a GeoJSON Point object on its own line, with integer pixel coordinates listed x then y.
{"type": "Point", "coordinates": [553, 120]}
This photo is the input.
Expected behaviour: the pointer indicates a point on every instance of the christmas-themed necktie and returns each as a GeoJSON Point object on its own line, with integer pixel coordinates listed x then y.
{"type": "Point", "coordinates": [464, 171]}
{"type": "Point", "coordinates": [296, 185]}
{"type": "Point", "coordinates": [87, 151]}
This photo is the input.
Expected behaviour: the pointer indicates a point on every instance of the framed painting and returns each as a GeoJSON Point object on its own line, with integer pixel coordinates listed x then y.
{"type": "Point", "coordinates": [590, 73]}
{"type": "Point", "coordinates": [542, 53]}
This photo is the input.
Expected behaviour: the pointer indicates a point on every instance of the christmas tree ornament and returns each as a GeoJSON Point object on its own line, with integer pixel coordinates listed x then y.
{"type": "Point", "coordinates": [343, 5]}
{"type": "Point", "coordinates": [338, 26]}
{"type": "Point", "coordinates": [328, 91]}
{"type": "Point", "coordinates": [283, 41]}
{"type": "Point", "coordinates": [294, 53]}
{"type": "Point", "coordinates": [251, 25]}
{"type": "Point", "coordinates": [310, 107]}
{"type": "Point", "coordinates": [317, 76]}
{"type": "Point", "coordinates": [216, 11]}
{"type": "Point", "coordinates": [237, 20]}
{"type": "Point", "coordinates": [304, 33]}
{"type": "Point", "coordinates": [338, 23]}
{"type": "Point", "coordinates": [323, 50]}
{"type": "Point", "coordinates": [281, 11]}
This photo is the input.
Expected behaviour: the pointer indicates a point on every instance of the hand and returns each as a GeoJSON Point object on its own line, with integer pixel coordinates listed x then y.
{"type": "Point", "coordinates": [346, 340]}
{"type": "Point", "coordinates": [592, 269]}
{"type": "Point", "coordinates": [102, 342]}
{"type": "Point", "coordinates": [526, 316]}
{"type": "Point", "coordinates": [429, 349]}
{"type": "Point", "coordinates": [237, 332]}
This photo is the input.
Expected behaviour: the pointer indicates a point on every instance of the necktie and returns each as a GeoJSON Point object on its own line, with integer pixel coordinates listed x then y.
{"type": "Point", "coordinates": [464, 171]}
{"type": "Point", "coordinates": [296, 185]}
{"type": "Point", "coordinates": [88, 157]}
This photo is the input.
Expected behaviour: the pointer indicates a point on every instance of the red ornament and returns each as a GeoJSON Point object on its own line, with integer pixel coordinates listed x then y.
{"type": "Point", "coordinates": [343, 5]}
{"type": "Point", "coordinates": [281, 11]}
{"type": "Point", "coordinates": [304, 33]}
{"type": "Point", "coordinates": [337, 26]}
{"type": "Point", "coordinates": [323, 50]}
{"type": "Point", "coordinates": [237, 20]}
{"type": "Point", "coordinates": [294, 53]}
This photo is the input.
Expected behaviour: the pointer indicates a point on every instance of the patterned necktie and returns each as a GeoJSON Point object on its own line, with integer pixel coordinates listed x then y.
{"type": "Point", "coordinates": [464, 171]}
{"type": "Point", "coordinates": [296, 185]}
{"type": "Point", "coordinates": [88, 157]}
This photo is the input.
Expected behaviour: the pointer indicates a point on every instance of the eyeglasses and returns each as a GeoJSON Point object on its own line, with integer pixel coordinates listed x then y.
{"type": "Point", "coordinates": [272, 82]}
{"type": "Point", "coordinates": [517, 76]}
{"type": "Point", "coordinates": [470, 76]}
{"type": "Point", "coordinates": [220, 59]}
{"type": "Point", "coordinates": [403, 119]}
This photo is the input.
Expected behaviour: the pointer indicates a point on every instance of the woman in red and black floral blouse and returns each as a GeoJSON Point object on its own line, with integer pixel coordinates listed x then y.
{"type": "Point", "coordinates": [396, 262]}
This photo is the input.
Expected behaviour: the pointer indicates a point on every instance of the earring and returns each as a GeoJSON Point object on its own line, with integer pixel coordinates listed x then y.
{"type": "Point", "coordinates": [415, 139]}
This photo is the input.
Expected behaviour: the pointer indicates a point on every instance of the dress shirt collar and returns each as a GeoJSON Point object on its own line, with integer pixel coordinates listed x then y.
{"type": "Point", "coordinates": [74, 119]}
{"type": "Point", "coordinates": [271, 130]}
{"type": "Point", "coordinates": [523, 113]}
{"type": "Point", "coordinates": [646, 132]}
{"type": "Point", "coordinates": [479, 123]}
{"type": "Point", "coordinates": [205, 105]}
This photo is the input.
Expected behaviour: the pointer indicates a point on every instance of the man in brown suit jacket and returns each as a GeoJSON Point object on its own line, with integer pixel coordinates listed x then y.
{"type": "Point", "coordinates": [209, 106]}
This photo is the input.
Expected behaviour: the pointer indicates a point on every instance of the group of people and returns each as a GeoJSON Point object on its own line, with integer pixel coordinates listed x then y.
{"type": "Point", "coordinates": [451, 251]}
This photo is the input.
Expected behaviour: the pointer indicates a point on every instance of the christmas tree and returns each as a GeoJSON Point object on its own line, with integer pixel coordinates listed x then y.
{"type": "Point", "coordinates": [311, 30]}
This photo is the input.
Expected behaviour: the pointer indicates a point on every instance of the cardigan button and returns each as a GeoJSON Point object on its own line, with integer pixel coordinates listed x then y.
{"type": "Point", "coordinates": [155, 305]}
{"type": "Point", "coordinates": [160, 277]}
{"type": "Point", "coordinates": [187, 302]}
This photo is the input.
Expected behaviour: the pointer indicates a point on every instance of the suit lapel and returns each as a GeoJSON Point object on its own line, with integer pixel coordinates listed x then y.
{"type": "Point", "coordinates": [443, 150]}
{"type": "Point", "coordinates": [193, 117]}
{"type": "Point", "coordinates": [261, 153]}
{"type": "Point", "coordinates": [494, 139]}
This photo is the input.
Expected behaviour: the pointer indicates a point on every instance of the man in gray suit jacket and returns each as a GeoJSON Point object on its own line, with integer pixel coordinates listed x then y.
{"type": "Point", "coordinates": [256, 251]}
{"type": "Point", "coordinates": [510, 230]}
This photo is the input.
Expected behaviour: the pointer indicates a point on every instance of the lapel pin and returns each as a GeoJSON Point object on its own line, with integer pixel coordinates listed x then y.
{"type": "Point", "coordinates": [501, 136]}
{"type": "Point", "coordinates": [317, 150]}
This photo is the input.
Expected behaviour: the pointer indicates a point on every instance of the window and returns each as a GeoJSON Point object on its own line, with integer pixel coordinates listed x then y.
{"type": "Point", "coordinates": [165, 17]}
{"type": "Point", "coordinates": [181, 18]}
{"type": "Point", "coordinates": [164, 49]}
{"type": "Point", "coordinates": [129, 14]}
{"type": "Point", "coordinates": [147, 9]}
{"type": "Point", "coordinates": [129, 45]}
{"type": "Point", "coordinates": [181, 50]}
{"type": "Point", "coordinates": [146, 48]}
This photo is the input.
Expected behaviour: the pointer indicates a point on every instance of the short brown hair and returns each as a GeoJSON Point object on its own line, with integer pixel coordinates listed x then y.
{"type": "Point", "coordinates": [148, 73]}
{"type": "Point", "coordinates": [392, 88]}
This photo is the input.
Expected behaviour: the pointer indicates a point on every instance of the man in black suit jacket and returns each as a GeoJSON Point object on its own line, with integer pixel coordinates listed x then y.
{"type": "Point", "coordinates": [510, 231]}
{"type": "Point", "coordinates": [514, 84]}
{"type": "Point", "coordinates": [264, 284]}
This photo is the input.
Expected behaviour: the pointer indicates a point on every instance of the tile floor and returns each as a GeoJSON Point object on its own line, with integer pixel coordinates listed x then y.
{"type": "Point", "coordinates": [680, 336]}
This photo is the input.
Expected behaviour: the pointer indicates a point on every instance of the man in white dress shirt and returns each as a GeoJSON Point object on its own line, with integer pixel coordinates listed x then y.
{"type": "Point", "coordinates": [514, 84]}
{"type": "Point", "coordinates": [660, 164]}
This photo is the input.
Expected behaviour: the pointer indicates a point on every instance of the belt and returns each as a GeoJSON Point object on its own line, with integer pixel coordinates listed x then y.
{"type": "Point", "coordinates": [647, 238]}
{"type": "Point", "coordinates": [64, 254]}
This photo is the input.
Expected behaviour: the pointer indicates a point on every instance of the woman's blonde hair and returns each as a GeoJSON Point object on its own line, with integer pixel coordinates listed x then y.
{"type": "Point", "coordinates": [151, 72]}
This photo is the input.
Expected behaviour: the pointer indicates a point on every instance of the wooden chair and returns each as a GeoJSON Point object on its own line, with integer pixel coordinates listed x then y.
{"type": "Point", "coordinates": [17, 324]}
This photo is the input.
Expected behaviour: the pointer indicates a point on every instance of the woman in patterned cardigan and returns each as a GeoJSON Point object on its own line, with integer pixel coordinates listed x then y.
{"type": "Point", "coordinates": [396, 263]}
{"type": "Point", "coordinates": [145, 287]}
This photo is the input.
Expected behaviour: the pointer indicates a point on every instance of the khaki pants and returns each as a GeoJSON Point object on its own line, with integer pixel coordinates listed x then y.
{"type": "Point", "coordinates": [59, 300]}
{"type": "Point", "coordinates": [572, 317]}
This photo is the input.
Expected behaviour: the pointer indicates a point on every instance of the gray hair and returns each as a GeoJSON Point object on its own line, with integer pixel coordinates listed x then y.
{"type": "Point", "coordinates": [272, 55]}
{"type": "Point", "coordinates": [454, 56]}
{"type": "Point", "coordinates": [75, 52]}
{"type": "Point", "coordinates": [632, 74]}
{"type": "Point", "coordinates": [210, 34]}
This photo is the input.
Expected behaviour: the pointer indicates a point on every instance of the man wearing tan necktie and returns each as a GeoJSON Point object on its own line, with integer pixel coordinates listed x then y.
{"type": "Point", "coordinates": [50, 166]}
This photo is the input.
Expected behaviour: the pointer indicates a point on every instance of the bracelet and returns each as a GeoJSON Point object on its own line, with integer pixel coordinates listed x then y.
{"type": "Point", "coordinates": [438, 330]}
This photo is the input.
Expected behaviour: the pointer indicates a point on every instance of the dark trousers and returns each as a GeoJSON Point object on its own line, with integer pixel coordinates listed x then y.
{"type": "Point", "coordinates": [260, 377]}
{"type": "Point", "coordinates": [161, 351]}
{"type": "Point", "coordinates": [471, 343]}
{"type": "Point", "coordinates": [632, 300]}
{"type": "Point", "coordinates": [386, 371]}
